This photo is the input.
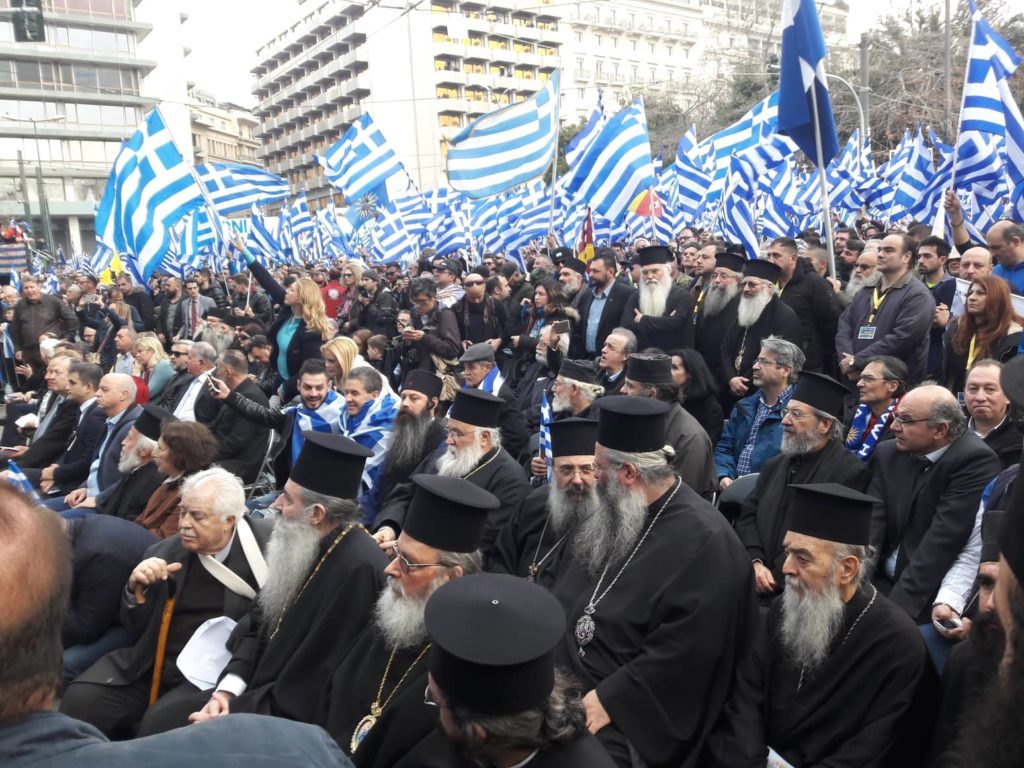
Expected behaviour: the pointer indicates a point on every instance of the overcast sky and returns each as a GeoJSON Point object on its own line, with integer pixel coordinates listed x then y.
{"type": "Point", "coordinates": [224, 36]}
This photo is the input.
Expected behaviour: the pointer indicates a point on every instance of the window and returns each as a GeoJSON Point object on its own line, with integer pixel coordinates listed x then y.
{"type": "Point", "coordinates": [7, 73]}
{"type": "Point", "coordinates": [27, 73]}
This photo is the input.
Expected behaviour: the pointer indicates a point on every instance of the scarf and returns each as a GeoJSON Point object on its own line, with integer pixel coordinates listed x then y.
{"type": "Point", "coordinates": [863, 442]}
{"type": "Point", "coordinates": [326, 418]}
{"type": "Point", "coordinates": [492, 383]}
{"type": "Point", "coordinates": [371, 428]}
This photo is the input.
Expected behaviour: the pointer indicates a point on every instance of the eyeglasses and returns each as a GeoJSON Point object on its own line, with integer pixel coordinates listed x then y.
{"type": "Point", "coordinates": [903, 421]}
{"type": "Point", "coordinates": [471, 283]}
{"type": "Point", "coordinates": [872, 379]}
{"type": "Point", "coordinates": [793, 414]}
{"type": "Point", "coordinates": [761, 361]}
{"type": "Point", "coordinates": [406, 566]}
{"type": "Point", "coordinates": [568, 471]}
{"type": "Point", "coordinates": [862, 266]}
{"type": "Point", "coordinates": [175, 353]}
{"type": "Point", "coordinates": [430, 701]}
{"type": "Point", "coordinates": [457, 434]}
{"type": "Point", "coordinates": [347, 274]}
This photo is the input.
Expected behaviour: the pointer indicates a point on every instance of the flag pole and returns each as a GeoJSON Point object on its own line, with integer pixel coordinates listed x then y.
{"type": "Point", "coordinates": [554, 155]}
{"type": "Point", "coordinates": [825, 202]}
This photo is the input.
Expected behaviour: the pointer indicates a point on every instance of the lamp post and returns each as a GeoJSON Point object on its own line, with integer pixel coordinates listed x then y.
{"type": "Point", "coordinates": [44, 208]}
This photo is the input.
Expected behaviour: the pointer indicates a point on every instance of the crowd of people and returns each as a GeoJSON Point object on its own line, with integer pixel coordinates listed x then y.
{"type": "Point", "coordinates": [676, 505]}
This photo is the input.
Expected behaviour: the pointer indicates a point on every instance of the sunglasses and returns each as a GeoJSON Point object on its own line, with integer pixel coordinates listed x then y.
{"type": "Point", "coordinates": [471, 283]}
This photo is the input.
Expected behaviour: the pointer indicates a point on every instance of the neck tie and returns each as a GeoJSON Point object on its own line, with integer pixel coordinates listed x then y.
{"type": "Point", "coordinates": [195, 319]}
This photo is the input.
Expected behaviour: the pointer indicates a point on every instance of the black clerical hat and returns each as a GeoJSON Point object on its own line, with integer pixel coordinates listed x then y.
{"type": "Point", "coordinates": [991, 528]}
{"type": "Point", "coordinates": [762, 269]}
{"type": "Point", "coordinates": [632, 424]}
{"type": "Point", "coordinates": [653, 254]}
{"type": "Point", "coordinates": [820, 391]}
{"type": "Point", "coordinates": [575, 265]}
{"type": "Point", "coordinates": [151, 419]}
{"type": "Point", "coordinates": [330, 464]}
{"type": "Point", "coordinates": [493, 642]}
{"type": "Point", "coordinates": [475, 407]}
{"type": "Point", "coordinates": [424, 382]}
{"type": "Point", "coordinates": [732, 261]}
{"type": "Point", "coordinates": [573, 437]}
{"type": "Point", "coordinates": [579, 370]}
{"type": "Point", "coordinates": [448, 513]}
{"type": "Point", "coordinates": [649, 368]}
{"type": "Point", "coordinates": [1011, 379]}
{"type": "Point", "coordinates": [1011, 538]}
{"type": "Point", "coordinates": [831, 512]}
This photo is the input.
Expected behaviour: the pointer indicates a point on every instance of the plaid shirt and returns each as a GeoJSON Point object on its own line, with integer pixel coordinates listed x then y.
{"type": "Point", "coordinates": [762, 412]}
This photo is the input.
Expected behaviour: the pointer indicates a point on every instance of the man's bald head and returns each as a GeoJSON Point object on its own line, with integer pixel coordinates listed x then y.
{"type": "Point", "coordinates": [116, 393]}
{"type": "Point", "coordinates": [976, 262]}
{"type": "Point", "coordinates": [929, 418]}
{"type": "Point", "coordinates": [35, 584]}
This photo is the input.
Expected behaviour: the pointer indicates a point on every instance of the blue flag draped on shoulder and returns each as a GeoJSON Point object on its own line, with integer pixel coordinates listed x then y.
{"type": "Point", "coordinates": [507, 147]}
{"type": "Point", "coordinates": [802, 69]}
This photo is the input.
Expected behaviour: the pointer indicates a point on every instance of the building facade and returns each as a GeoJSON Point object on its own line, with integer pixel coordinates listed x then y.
{"type": "Point", "coordinates": [65, 106]}
{"type": "Point", "coordinates": [222, 133]}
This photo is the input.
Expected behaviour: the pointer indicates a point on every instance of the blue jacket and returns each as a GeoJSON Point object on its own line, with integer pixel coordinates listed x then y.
{"type": "Point", "coordinates": [737, 430]}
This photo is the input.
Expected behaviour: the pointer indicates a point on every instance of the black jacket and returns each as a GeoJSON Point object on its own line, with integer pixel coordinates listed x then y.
{"type": "Point", "coordinates": [243, 442]}
{"type": "Point", "coordinates": [143, 304]}
{"type": "Point", "coordinates": [174, 390]}
{"type": "Point", "coordinates": [168, 319]}
{"type": "Point", "coordinates": [129, 497]}
{"type": "Point", "coordinates": [379, 315]}
{"type": "Point", "coordinates": [73, 467]}
{"type": "Point", "coordinates": [617, 312]}
{"type": "Point", "coordinates": [674, 329]}
{"type": "Point", "coordinates": [777, 319]}
{"type": "Point", "coordinates": [49, 447]}
{"type": "Point", "coordinates": [440, 337]}
{"type": "Point", "coordinates": [813, 301]}
{"type": "Point", "coordinates": [281, 421]}
{"type": "Point", "coordinates": [262, 312]}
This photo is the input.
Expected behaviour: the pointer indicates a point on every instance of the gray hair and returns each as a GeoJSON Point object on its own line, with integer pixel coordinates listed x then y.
{"type": "Point", "coordinates": [589, 392]}
{"type": "Point", "coordinates": [862, 552]}
{"type": "Point", "coordinates": [835, 427]}
{"type": "Point", "coordinates": [786, 353]}
{"type": "Point", "coordinates": [948, 412]}
{"type": "Point", "coordinates": [652, 466]}
{"type": "Point", "coordinates": [368, 377]}
{"type": "Point", "coordinates": [226, 490]}
{"type": "Point", "coordinates": [630, 337]}
{"type": "Point", "coordinates": [339, 511]}
{"type": "Point", "coordinates": [494, 432]}
{"type": "Point", "coordinates": [470, 562]}
{"type": "Point", "coordinates": [204, 352]}
{"type": "Point", "coordinates": [893, 369]}
{"type": "Point", "coordinates": [143, 443]}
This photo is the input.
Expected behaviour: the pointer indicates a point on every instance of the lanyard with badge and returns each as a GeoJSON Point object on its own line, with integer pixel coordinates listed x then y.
{"type": "Point", "coordinates": [867, 331]}
{"type": "Point", "coordinates": [972, 353]}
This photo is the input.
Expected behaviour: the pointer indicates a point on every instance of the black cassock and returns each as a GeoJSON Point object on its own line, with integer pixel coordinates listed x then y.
{"type": "Point", "coordinates": [437, 752]}
{"type": "Point", "coordinates": [528, 540]}
{"type": "Point", "coordinates": [867, 707]}
{"type": "Point", "coordinates": [764, 519]}
{"type": "Point", "coordinates": [405, 719]}
{"type": "Point", "coordinates": [668, 633]}
{"type": "Point", "coordinates": [777, 319]}
{"type": "Point", "coordinates": [290, 674]}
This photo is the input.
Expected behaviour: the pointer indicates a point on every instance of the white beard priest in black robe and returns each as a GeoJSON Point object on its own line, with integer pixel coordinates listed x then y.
{"type": "Point", "coordinates": [659, 597]}
{"type": "Point", "coordinates": [840, 676]}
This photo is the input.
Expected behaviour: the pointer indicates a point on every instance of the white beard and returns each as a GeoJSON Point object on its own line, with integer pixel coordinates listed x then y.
{"type": "Point", "coordinates": [798, 445]}
{"type": "Point", "coordinates": [457, 462]}
{"type": "Point", "coordinates": [291, 552]}
{"type": "Point", "coordinates": [561, 404]}
{"type": "Point", "coordinates": [810, 622]}
{"type": "Point", "coordinates": [750, 309]}
{"type": "Point", "coordinates": [219, 340]}
{"type": "Point", "coordinates": [856, 282]}
{"type": "Point", "coordinates": [610, 533]}
{"type": "Point", "coordinates": [718, 296]}
{"type": "Point", "coordinates": [128, 463]}
{"type": "Point", "coordinates": [399, 617]}
{"type": "Point", "coordinates": [654, 296]}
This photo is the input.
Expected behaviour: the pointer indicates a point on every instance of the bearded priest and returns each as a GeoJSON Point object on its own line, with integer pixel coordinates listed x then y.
{"type": "Point", "coordinates": [664, 315]}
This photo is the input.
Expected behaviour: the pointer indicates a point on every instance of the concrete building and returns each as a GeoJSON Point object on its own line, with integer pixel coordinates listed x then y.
{"type": "Point", "coordinates": [422, 75]}
{"type": "Point", "coordinates": [65, 106]}
{"type": "Point", "coordinates": [222, 133]}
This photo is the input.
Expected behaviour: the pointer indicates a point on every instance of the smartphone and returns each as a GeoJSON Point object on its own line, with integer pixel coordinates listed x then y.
{"type": "Point", "coordinates": [949, 624]}
{"type": "Point", "coordinates": [560, 327]}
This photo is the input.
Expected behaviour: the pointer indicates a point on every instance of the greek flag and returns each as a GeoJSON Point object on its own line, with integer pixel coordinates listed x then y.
{"type": "Point", "coordinates": [149, 190]}
{"type": "Point", "coordinates": [300, 221]}
{"type": "Point", "coordinates": [361, 161]}
{"type": "Point", "coordinates": [51, 285]}
{"type": "Point", "coordinates": [448, 235]}
{"type": "Point", "coordinates": [391, 241]}
{"type": "Point", "coordinates": [802, 64]}
{"type": "Point", "coordinates": [916, 173]}
{"type": "Point", "coordinates": [16, 280]}
{"type": "Point", "coordinates": [507, 147]}
{"type": "Point", "coordinates": [233, 187]}
{"type": "Point", "coordinates": [577, 148]}
{"type": "Point", "coordinates": [692, 182]}
{"type": "Point", "coordinates": [260, 241]}
{"type": "Point", "coordinates": [545, 433]}
{"type": "Point", "coordinates": [990, 62]}
{"type": "Point", "coordinates": [617, 165]}
{"type": "Point", "coordinates": [17, 478]}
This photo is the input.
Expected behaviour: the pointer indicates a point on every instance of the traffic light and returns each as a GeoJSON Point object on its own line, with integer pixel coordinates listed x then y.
{"type": "Point", "coordinates": [28, 21]}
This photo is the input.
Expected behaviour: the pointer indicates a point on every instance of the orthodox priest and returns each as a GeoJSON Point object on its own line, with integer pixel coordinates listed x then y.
{"type": "Point", "coordinates": [659, 597]}
{"type": "Point", "coordinates": [715, 311]}
{"type": "Point", "coordinates": [812, 451]}
{"type": "Point", "coordinates": [473, 452]}
{"type": "Point", "coordinates": [664, 314]}
{"type": "Point", "coordinates": [839, 675]}
{"type": "Point", "coordinates": [376, 710]}
{"type": "Point", "coordinates": [324, 574]}
{"type": "Point", "coordinates": [530, 544]}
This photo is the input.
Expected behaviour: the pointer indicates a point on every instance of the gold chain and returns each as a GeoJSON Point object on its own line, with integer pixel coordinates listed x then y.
{"type": "Point", "coordinates": [376, 708]}
{"type": "Point", "coordinates": [477, 469]}
{"type": "Point", "coordinates": [326, 554]}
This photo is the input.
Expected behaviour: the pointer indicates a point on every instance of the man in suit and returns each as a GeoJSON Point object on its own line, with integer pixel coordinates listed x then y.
{"type": "Point", "coordinates": [604, 306]}
{"type": "Point", "coordinates": [243, 443]}
{"type": "Point", "coordinates": [57, 425]}
{"type": "Point", "coordinates": [195, 403]}
{"type": "Point", "coordinates": [176, 387]}
{"type": "Point", "coordinates": [71, 469]}
{"type": "Point", "coordinates": [35, 577]}
{"type": "Point", "coordinates": [213, 567]}
{"type": "Point", "coordinates": [929, 479]}
{"type": "Point", "coordinates": [192, 310]}
{"type": "Point", "coordinates": [663, 317]}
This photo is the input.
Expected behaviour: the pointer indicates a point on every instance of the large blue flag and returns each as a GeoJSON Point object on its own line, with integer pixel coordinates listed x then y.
{"type": "Point", "coordinates": [802, 69]}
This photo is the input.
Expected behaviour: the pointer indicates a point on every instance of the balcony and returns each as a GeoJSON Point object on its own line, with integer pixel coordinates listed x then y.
{"type": "Point", "coordinates": [583, 75]}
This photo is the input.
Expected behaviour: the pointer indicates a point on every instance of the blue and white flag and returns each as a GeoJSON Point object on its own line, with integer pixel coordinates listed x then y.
{"type": "Point", "coordinates": [361, 162]}
{"type": "Point", "coordinates": [759, 123]}
{"type": "Point", "coordinates": [578, 145]}
{"type": "Point", "coordinates": [16, 280]}
{"type": "Point", "coordinates": [391, 241]}
{"type": "Point", "coordinates": [150, 189]}
{"type": "Point", "coordinates": [545, 434]}
{"type": "Point", "coordinates": [234, 187]}
{"type": "Point", "coordinates": [507, 147]}
{"type": "Point", "coordinates": [805, 108]}
{"type": "Point", "coordinates": [17, 478]}
{"type": "Point", "coordinates": [692, 181]}
{"type": "Point", "coordinates": [990, 61]}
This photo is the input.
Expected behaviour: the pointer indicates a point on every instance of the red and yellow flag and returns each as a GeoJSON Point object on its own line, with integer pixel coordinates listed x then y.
{"type": "Point", "coordinates": [585, 245]}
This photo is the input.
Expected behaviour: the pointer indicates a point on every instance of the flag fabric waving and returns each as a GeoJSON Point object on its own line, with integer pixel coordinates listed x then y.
{"type": "Point", "coordinates": [507, 147]}
{"type": "Point", "coordinates": [360, 162]}
{"type": "Point", "coordinates": [803, 88]}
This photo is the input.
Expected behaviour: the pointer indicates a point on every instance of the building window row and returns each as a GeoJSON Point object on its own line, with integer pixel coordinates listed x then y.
{"type": "Point", "coordinates": [115, 117]}
{"type": "Point", "coordinates": [99, 41]}
{"type": "Point", "coordinates": [70, 151]}
{"type": "Point", "coordinates": [118, 9]}
{"type": "Point", "coordinates": [55, 76]}
{"type": "Point", "coordinates": [73, 190]}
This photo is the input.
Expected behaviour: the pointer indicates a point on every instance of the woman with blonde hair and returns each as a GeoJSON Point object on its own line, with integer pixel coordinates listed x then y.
{"type": "Point", "coordinates": [299, 329]}
{"type": "Point", "coordinates": [154, 366]}
{"type": "Point", "coordinates": [341, 355]}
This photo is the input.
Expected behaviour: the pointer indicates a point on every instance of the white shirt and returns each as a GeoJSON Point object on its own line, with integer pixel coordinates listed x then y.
{"type": "Point", "coordinates": [959, 579]}
{"type": "Point", "coordinates": [890, 562]}
{"type": "Point", "coordinates": [186, 408]}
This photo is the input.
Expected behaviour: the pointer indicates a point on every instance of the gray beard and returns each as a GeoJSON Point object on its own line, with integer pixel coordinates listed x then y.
{"type": "Point", "coordinates": [717, 297]}
{"type": "Point", "coordinates": [798, 445]}
{"type": "Point", "coordinates": [219, 341]}
{"type": "Point", "coordinates": [609, 534]}
{"type": "Point", "coordinates": [568, 510]}
{"type": "Point", "coordinates": [459, 462]}
{"type": "Point", "coordinates": [405, 449]}
{"type": "Point", "coordinates": [128, 464]}
{"type": "Point", "coordinates": [561, 404]}
{"type": "Point", "coordinates": [654, 296]}
{"type": "Point", "coordinates": [399, 617]}
{"type": "Point", "coordinates": [810, 622]}
{"type": "Point", "coordinates": [293, 548]}
{"type": "Point", "coordinates": [856, 283]}
{"type": "Point", "coordinates": [750, 309]}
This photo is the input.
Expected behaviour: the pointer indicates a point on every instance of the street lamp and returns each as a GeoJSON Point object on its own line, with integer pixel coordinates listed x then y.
{"type": "Point", "coordinates": [44, 207]}
{"type": "Point", "coordinates": [853, 92]}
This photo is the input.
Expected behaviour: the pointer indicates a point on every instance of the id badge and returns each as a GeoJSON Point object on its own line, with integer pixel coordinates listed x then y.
{"type": "Point", "coordinates": [866, 333]}
{"type": "Point", "coordinates": [961, 399]}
